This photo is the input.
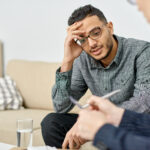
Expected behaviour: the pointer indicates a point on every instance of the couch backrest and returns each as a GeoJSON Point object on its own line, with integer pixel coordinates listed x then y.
{"type": "Point", "coordinates": [34, 81]}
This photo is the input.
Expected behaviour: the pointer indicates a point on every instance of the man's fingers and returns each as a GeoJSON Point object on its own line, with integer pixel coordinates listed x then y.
{"type": "Point", "coordinates": [76, 143]}
{"type": "Point", "coordinates": [81, 141]}
{"type": "Point", "coordinates": [74, 26]}
{"type": "Point", "coordinates": [71, 143]}
{"type": "Point", "coordinates": [78, 32]}
{"type": "Point", "coordinates": [65, 143]}
{"type": "Point", "coordinates": [75, 35]}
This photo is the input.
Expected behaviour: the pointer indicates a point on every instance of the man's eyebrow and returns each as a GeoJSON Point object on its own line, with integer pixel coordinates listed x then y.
{"type": "Point", "coordinates": [97, 27]}
{"type": "Point", "coordinates": [94, 29]}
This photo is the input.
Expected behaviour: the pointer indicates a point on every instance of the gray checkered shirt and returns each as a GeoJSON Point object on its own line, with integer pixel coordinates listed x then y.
{"type": "Point", "coordinates": [129, 71]}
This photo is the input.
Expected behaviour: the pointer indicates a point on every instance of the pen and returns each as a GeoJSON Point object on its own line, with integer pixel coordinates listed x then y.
{"type": "Point", "coordinates": [86, 105]}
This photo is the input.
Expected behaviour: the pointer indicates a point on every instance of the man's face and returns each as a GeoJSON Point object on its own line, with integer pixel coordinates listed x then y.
{"type": "Point", "coordinates": [100, 47]}
{"type": "Point", "coordinates": [144, 6]}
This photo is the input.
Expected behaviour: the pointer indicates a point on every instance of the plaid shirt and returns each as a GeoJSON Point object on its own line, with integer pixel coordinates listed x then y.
{"type": "Point", "coordinates": [129, 71]}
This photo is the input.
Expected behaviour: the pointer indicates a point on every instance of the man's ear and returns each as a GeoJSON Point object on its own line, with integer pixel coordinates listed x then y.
{"type": "Point", "coordinates": [110, 27]}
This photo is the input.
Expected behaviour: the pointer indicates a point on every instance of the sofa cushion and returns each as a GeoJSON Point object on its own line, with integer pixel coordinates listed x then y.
{"type": "Point", "coordinates": [8, 124]}
{"type": "Point", "coordinates": [10, 97]}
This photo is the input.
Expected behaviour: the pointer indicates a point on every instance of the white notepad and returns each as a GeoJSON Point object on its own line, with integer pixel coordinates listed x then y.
{"type": "Point", "coordinates": [42, 148]}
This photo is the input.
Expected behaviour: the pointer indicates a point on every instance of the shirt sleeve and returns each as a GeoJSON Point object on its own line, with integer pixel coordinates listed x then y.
{"type": "Point", "coordinates": [136, 123]}
{"type": "Point", "coordinates": [140, 101]}
{"type": "Point", "coordinates": [67, 84]}
{"type": "Point", "coordinates": [119, 139]}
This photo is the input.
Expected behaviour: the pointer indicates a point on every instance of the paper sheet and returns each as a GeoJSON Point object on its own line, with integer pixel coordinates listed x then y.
{"type": "Point", "coordinates": [42, 148]}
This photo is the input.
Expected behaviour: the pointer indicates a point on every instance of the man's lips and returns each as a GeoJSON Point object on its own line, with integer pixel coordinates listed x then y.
{"type": "Point", "coordinates": [97, 51]}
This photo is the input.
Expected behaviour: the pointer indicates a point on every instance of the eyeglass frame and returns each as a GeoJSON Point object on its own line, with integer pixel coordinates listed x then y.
{"type": "Point", "coordinates": [100, 27]}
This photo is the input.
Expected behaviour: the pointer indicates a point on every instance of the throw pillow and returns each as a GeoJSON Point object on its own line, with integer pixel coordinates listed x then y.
{"type": "Point", "coordinates": [10, 97]}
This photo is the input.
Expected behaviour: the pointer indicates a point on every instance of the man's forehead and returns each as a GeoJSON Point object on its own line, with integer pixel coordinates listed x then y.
{"type": "Point", "coordinates": [90, 23]}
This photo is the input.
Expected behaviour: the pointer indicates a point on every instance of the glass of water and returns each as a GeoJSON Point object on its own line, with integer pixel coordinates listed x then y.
{"type": "Point", "coordinates": [24, 132]}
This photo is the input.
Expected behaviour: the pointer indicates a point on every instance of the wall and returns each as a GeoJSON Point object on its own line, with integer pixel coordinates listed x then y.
{"type": "Point", "coordinates": [36, 29]}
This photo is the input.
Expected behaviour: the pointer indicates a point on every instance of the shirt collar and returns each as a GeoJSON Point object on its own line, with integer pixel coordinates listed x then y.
{"type": "Point", "coordinates": [96, 63]}
{"type": "Point", "coordinates": [118, 56]}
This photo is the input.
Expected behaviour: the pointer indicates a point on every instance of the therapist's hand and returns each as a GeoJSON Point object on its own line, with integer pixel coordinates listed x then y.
{"type": "Point", "coordinates": [113, 113]}
{"type": "Point", "coordinates": [89, 122]}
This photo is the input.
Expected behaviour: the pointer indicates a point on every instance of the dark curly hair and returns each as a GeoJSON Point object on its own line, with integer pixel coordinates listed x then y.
{"type": "Point", "coordinates": [82, 12]}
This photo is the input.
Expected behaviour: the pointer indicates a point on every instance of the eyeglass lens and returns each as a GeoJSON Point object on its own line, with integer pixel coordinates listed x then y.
{"type": "Point", "coordinates": [94, 34]}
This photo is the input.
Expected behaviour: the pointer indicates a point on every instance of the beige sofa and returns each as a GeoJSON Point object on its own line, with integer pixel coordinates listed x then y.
{"type": "Point", "coordinates": [34, 81]}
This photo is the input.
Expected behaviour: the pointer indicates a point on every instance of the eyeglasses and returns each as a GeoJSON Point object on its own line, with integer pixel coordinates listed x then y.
{"type": "Point", "coordinates": [94, 34]}
{"type": "Point", "coordinates": [133, 2]}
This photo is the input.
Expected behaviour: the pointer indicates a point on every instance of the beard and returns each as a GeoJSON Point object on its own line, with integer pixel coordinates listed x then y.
{"type": "Point", "coordinates": [109, 46]}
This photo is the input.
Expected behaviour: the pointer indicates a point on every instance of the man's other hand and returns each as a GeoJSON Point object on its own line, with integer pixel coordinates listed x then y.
{"type": "Point", "coordinates": [72, 140]}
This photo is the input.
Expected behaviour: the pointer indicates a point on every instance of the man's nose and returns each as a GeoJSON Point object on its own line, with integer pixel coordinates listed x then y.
{"type": "Point", "coordinates": [92, 43]}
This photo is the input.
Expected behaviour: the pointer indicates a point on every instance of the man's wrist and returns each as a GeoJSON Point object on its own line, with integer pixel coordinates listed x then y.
{"type": "Point", "coordinates": [66, 66]}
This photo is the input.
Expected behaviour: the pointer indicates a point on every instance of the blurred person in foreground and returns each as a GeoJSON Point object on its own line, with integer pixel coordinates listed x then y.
{"type": "Point", "coordinates": [116, 128]}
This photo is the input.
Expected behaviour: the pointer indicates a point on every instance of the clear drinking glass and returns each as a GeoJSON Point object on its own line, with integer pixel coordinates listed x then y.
{"type": "Point", "coordinates": [24, 132]}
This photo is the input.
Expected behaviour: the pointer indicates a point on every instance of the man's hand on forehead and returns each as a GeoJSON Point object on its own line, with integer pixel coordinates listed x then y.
{"type": "Point", "coordinates": [74, 26]}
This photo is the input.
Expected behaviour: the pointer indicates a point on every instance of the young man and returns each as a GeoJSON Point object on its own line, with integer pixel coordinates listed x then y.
{"type": "Point", "coordinates": [97, 59]}
{"type": "Point", "coordinates": [100, 122]}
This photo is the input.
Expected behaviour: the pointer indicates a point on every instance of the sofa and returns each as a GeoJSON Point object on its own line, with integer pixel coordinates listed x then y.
{"type": "Point", "coordinates": [34, 81]}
